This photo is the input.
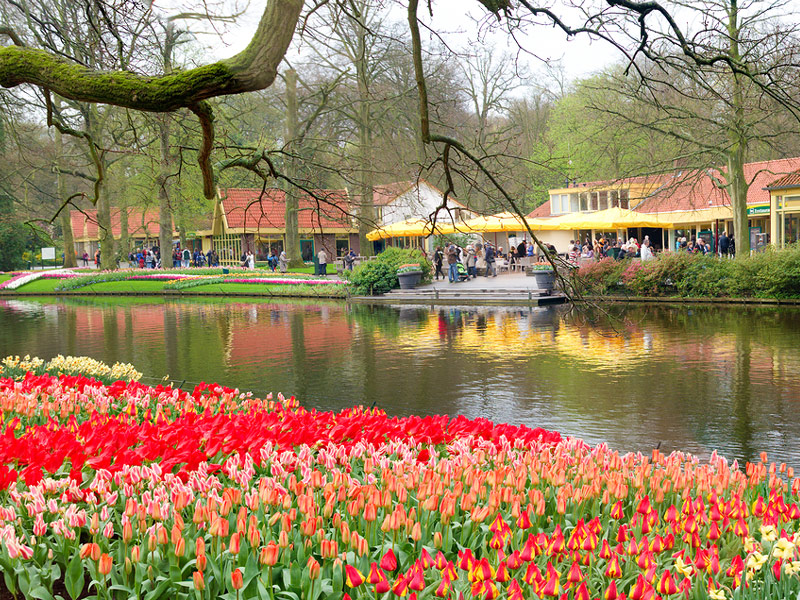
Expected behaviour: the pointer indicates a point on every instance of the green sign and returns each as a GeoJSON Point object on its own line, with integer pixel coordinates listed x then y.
{"type": "Point", "coordinates": [762, 209]}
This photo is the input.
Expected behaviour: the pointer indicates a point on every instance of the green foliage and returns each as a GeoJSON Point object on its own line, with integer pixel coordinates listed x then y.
{"type": "Point", "coordinates": [771, 274]}
{"type": "Point", "coordinates": [380, 275]}
{"type": "Point", "coordinates": [12, 237]}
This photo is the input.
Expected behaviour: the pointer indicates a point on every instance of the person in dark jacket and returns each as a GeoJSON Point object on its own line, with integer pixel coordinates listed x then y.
{"type": "Point", "coordinates": [724, 244]}
{"type": "Point", "coordinates": [438, 259]}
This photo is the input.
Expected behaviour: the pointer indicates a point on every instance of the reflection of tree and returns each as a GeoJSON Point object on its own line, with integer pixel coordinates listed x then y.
{"type": "Point", "coordinates": [383, 319]}
{"type": "Point", "coordinates": [111, 335]}
{"type": "Point", "coordinates": [300, 365]}
{"type": "Point", "coordinates": [171, 338]}
{"type": "Point", "coordinates": [743, 426]}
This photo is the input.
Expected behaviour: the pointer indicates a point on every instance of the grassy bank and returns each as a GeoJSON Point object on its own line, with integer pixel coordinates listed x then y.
{"type": "Point", "coordinates": [254, 283]}
{"type": "Point", "coordinates": [772, 274]}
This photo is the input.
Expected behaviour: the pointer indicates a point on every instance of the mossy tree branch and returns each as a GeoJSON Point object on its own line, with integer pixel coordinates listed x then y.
{"type": "Point", "coordinates": [255, 68]}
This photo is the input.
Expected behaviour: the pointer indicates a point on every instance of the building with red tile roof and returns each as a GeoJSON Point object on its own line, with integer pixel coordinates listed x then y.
{"type": "Point", "coordinates": [693, 200]}
{"type": "Point", "coordinates": [254, 219]}
{"type": "Point", "coordinates": [784, 204]}
{"type": "Point", "coordinates": [143, 227]}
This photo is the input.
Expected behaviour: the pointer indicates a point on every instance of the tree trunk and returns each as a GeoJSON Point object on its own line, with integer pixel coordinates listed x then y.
{"type": "Point", "coordinates": [124, 231]}
{"type": "Point", "coordinates": [366, 217]}
{"type": "Point", "coordinates": [165, 163]}
{"type": "Point", "coordinates": [292, 235]}
{"type": "Point", "coordinates": [164, 208]}
{"type": "Point", "coordinates": [70, 260]}
{"type": "Point", "coordinates": [108, 254]}
{"type": "Point", "coordinates": [737, 134]}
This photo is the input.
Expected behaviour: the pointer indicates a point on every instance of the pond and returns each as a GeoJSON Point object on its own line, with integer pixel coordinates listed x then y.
{"type": "Point", "coordinates": [682, 378]}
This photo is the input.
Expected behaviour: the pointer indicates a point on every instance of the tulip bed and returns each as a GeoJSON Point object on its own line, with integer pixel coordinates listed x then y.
{"type": "Point", "coordinates": [130, 491]}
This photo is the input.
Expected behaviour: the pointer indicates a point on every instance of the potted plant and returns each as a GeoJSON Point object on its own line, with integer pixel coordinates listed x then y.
{"type": "Point", "coordinates": [544, 274]}
{"type": "Point", "coordinates": [409, 275]}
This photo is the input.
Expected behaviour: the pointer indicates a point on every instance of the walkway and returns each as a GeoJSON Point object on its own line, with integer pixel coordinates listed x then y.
{"type": "Point", "coordinates": [507, 289]}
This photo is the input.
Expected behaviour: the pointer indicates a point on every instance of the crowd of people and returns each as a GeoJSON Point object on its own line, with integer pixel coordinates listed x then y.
{"type": "Point", "coordinates": [465, 263]}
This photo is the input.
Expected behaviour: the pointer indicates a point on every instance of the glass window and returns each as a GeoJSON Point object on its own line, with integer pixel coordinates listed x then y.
{"type": "Point", "coordinates": [555, 204]}
{"type": "Point", "coordinates": [584, 201]}
{"type": "Point", "coordinates": [791, 228]}
{"type": "Point", "coordinates": [564, 203]}
{"type": "Point", "coordinates": [342, 245]}
{"type": "Point", "coordinates": [573, 202]}
{"type": "Point", "coordinates": [307, 250]}
{"type": "Point", "coordinates": [595, 198]}
{"type": "Point", "coordinates": [623, 199]}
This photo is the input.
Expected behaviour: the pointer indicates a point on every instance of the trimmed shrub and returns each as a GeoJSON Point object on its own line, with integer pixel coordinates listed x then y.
{"type": "Point", "coordinates": [770, 274]}
{"type": "Point", "coordinates": [380, 275]}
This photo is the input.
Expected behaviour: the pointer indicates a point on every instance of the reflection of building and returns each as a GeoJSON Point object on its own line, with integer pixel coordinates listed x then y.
{"type": "Point", "coordinates": [692, 202]}
{"type": "Point", "coordinates": [142, 225]}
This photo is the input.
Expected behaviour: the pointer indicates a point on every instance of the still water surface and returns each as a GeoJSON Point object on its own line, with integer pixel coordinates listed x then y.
{"type": "Point", "coordinates": [693, 379]}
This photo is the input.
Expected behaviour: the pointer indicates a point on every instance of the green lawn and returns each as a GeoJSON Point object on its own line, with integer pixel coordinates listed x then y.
{"type": "Point", "coordinates": [144, 286]}
{"type": "Point", "coordinates": [134, 286]}
{"type": "Point", "coordinates": [4, 277]}
{"type": "Point", "coordinates": [40, 285]}
{"type": "Point", "coordinates": [276, 290]}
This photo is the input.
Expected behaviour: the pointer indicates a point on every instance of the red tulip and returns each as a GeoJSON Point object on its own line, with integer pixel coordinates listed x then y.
{"type": "Point", "coordinates": [353, 576]}
{"type": "Point", "coordinates": [389, 561]}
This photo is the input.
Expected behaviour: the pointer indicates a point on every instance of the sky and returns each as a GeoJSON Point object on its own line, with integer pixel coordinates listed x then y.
{"type": "Point", "coordinates": [462, 25]}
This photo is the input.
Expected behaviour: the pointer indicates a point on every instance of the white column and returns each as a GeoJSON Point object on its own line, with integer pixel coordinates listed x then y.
{"type": "Point", "coordinates": [671, 239]}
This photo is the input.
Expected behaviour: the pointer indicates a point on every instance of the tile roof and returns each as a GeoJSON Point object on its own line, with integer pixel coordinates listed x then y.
{"type": "Point", "coordinates": [787, 181]}
{"type": "Point", "coordinates": [543, 210]}
{"type": "Point", "coordinates": [695, 190]}
{"type": "Point", "coordinates": [141, 224]}
{"type": "Point", "coordinates": [249, 208]}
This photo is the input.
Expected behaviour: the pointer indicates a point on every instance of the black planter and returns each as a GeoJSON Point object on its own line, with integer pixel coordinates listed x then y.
{"type": "Point", "coordinates": [408, 281]}
{"type": "Point", "coordinates": [545, 280]}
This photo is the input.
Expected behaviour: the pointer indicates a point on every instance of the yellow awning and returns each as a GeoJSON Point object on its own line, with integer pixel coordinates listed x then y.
{"type": "Point", "coordinates": [703, 215]}
{"type": "Point", "coordinates": [612, 218]}
{"type": "Point", "coordinates": [408, 228]}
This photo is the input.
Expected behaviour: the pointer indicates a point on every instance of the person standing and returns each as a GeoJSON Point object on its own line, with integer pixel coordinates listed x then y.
{"type": "Point", "coordinates": [187, 256]}
{"type": "Point", "coordinates": [349, 260]}
{"type": "Point", "coordinates": [452, 263]}
{"type": "Point", "coordinates": [251, 261]}
{"type": "Point", "coordinates": [322, 256]}
{"type": "Point", "coordinates": [472, 262]}
{"type": "Point", "coordinates": [283, 261]}
{"type": "Point", "coordinates": [489, 256]}
{"type": "Point", "coordinates": [724, 244]}
{"type": "Point", "coordinates": [438, 259]}
{"type": "Point", "coordinates": [646, 252]}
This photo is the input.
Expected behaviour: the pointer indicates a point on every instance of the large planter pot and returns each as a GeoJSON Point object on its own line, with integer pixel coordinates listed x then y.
{"type": "Point", "coordinates": [545, 280]}
{"type": "Point", "coordinates": [408, 281]}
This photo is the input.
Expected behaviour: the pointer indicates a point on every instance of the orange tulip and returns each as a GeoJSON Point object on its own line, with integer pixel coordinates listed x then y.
{"type": "Point", "coordinates": [199, 582]}
{"type": "Point", "coordinates": [237, 581]}
{"type": "Point", "coordinates": [313, 568]}
{"type": "Point", "coordinates": [104, 565]}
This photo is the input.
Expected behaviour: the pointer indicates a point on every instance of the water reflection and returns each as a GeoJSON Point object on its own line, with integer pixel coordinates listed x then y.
{"type": "Point", "coordinates": [692, 379]}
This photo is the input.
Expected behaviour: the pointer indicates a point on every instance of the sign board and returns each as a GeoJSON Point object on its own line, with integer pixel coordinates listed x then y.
{"type": "Point", "coordinates": [761, 209]}
{"type": "Point", "coordinates": [48, 253]}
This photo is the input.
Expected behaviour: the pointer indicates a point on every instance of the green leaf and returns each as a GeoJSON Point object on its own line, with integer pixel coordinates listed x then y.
{"type": "Point", "coordinates": [73, 579]}
{"type": "Point", "coordinates": [160, 590]}
{"type": "Point", "coordinates": [10, 580]}
{"type": "Point", "coordinates": [41, 593]}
